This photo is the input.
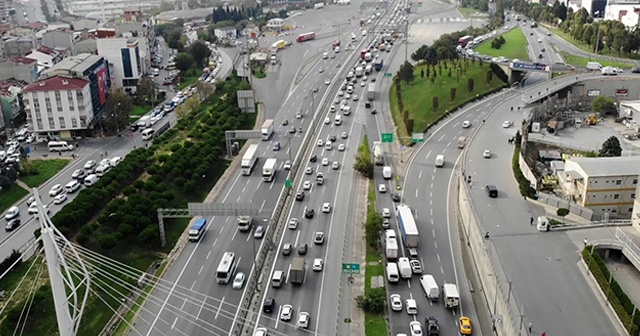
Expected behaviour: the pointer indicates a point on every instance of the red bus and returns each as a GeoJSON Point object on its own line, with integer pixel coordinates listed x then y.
{"type": "Point", "coordinates": [306, 37]}
{"type": "Point", "coordinates": [363, 52]}
{"type": "Point", "coordinates": [464, 40]}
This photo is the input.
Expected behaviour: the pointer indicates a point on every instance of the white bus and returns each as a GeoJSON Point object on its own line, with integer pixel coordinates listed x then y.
{"type": "Point", "coordinates": [58, 146]}
{"type": "Point", "coordinates": [226, 268]}
{"type": "Point", "coordinates": [148, 134]}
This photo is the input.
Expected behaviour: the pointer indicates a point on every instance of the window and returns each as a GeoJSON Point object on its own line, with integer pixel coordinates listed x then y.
{"type": "Point", "coordinates": [616, 196]}
{"type": "Point", "coordinates": [126, 62]}
{"type": "Point", "coordinates": [52, 124]}
{"type": "Point", "coordinates": [630, 210]}
{"type": "Point", "coordinates": [57, 94]}
{"type": "Point", "coordinates": [71, 108]}
{"type": "Point", "coordinates": [635, 181]}
{"type": "Point", "coordinates": [74, 122]}
{"type": "Point", "coordinates": [39, 123]}
{"type": "Point", "coordinates": [138, 63]}
{"type": "Point", "coordinates": [618, 182]}
{"type": "Point", "coordinates": [633, 196]}
{"type": "Point", "coordinates": [62, 124]}
{"type": "Point", "coordinates": [69, 94]}
{"type": "Point", "coordinates": [59, 108]}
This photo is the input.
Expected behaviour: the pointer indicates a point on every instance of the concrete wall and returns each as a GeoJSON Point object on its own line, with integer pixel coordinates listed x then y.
{"type": "Point", "coordinates": [527, 171]}
{"type": "Point", "coordinates": [492, 277]}
{"type": "Point", "coordinates": [609, 86]}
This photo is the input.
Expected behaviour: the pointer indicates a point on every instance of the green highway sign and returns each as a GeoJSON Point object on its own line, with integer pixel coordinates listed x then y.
{"type": "Point", "coordinates": [417, 137]}
{"type": "Point", "coordinates": [350, 268]}
{"type": "Point", "coordinates": [387, 137]}
{"type": "Point", "coordinates": [288, 183]}
{"type": "Point", "coordinates": [388, 74]}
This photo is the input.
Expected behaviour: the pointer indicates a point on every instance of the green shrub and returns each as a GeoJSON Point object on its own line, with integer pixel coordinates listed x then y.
{"type": "Point", "coordinates": [524, 185]}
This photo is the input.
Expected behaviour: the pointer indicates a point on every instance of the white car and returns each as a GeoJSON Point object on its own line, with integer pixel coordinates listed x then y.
{"type": "Point", "coordinates": [317, 265]}
{"type": "Point", "coordinates": [286, 313]}
{"type": "Point", "coordinates": [327, 121]}
{"type": "Point", "coordinates": [287, 165]}
{"type": "Point", "coordinates": [416, 328]}
{"type": "Point", "coordinates": [416, 268]}
{"type": "Point", "coordinates": [466, 124]}
{"type": "Point", "coordinates": [325, 162]}
{"type": "Point", "coordinates": [355, 98]}
{"type": "Point", "coordinates": [344, 135]}
{"type": "Point", "coordinates": [303, 320]}
{"type": "Point", "coordinates": [396, 302]}
{"type": "Point", "coordinates": [33, 209]}
{"type": "Point", "coordinates": [307, 185]}
{"type": "Point", "coordinates": [507, 124]}
{"type": "Point", "coordinates": [293, 224]}
{"type": "Point", "coordinates": [335, 165]}
{"type": "Point", "coordinates": [412, 307]}
{"type": "Point", "coordinates": [347, 96]}
{"type": "Point", "coordinates": [386, 213]}
{"type": "Point", "coordinates": [320, 142]}
{"type": "Point", "coordinates": [486, 154]}
{"type": "Point", "coordinates": [340, 93]}
{"type": "Point", "coordinates": [362, 84]}
{"type": "Point", "coordinates": [326, 208]}
{"type": "Point", "coordinates": [90, 164]}
{"type": "Point", "coordinates": [238, 281]}
{"type": "Point", "coordinates": [55, 190]}
{"type": "Point", "coordinates": [262, 332]}
{"type": "Point", "coordinates": [60, 199]}
{"type": "Point", "coordinates": [341, 147]}
{"type": "Point", "coordinates": [308, 171]}
{"type": "Point", "coordinates": [382, 188]}
{"type": "Point", "coordinates": [327, 82]}
{"type": "Point", "coordinates": [332, 109]}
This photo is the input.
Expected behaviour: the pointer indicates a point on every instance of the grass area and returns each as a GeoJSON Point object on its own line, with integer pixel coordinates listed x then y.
{"type": "Point", "coordinates": [140, 110]}
{"type": "Point", "coordinates": [258, 72]}
{"type": "Point", "coordinates": [515, 46]}
{"type": "Point", "coordinates": [44, 170]}
{"type": "Point", "coordinates": [10, 196]}
{"type": "Point", "coordinates": [585, 46]}
{"type": "Point", "coordinates": [418, 96]}
{"type": "Point", "coordinates": [579, 61]}
{"type": "Point", "coordinates": [469, 12]}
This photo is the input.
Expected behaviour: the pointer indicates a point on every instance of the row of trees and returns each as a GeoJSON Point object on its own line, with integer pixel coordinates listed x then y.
{"type": "Point", "coordinates": [607, 36]}
{"type": "Point", "coordinates": [195, 56]}
{"type": "Point", "coordinates": [444, 48]}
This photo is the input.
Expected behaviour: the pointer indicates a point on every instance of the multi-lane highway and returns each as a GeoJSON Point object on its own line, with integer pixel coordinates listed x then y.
{"type": "Point", "coordinates": [194, 269]}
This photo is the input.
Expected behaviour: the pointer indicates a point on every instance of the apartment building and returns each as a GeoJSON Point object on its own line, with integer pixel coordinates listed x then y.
{"type": "Point", "coordinates": [20, 68]}
{"type": "Point", "coordinates": [125, 61]}
{"type": "Point", "coordinates": [605, 185]}
{"type": "Point", "coordinates": [58, 106]}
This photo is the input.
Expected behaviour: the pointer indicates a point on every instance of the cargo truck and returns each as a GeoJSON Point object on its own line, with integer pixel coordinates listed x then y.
{"type": "Point", "coordinates": [408, 226]}
{"type": "Point", "coordinates": [198, 229]}
{"type": "Point", "coordinates": [405, 268]}
{"type": "Point", "coordinates": [378, 64]}
{"type": "Point", "coordinates": [371, 92]}
{"type": "Point", "coordinates": [359, 71]}
{"type": "Point", "coordinates": [269, 170]}
{"type": "Point", "coordinates": [368, 69]}
{"type": "Point", "coordinates": [451, 296]}
{"type": "Point", "coordinates": [386, 172]}
{"type": "Point", "coordinates": [378, 154]}
{"type": "Point", "coordinates": [244, 223]}
{"type": "Point", "coordinates": [249, 160]}
{"type": "Point", "coordinates": [391, 248]}
{"type": "Point", "coordinates": [296, 274]}
{"type": "Point", "coordinates": [144, 122]}
{"type": "Point", "coordinates": [267, 129]}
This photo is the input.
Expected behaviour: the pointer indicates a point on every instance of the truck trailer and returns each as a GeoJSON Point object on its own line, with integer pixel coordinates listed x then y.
{"type": "Point", "coordinates": [267, 129]}
{"type": "Point", "coordinates": [378, 64]}
{"type": "Point", "coordinates": [408, 226]}
{"type": "Point", "coordinates": [249, 160]}
{"type": "Point", "coordinates": [269, 170]}
{"type": "Point", "coordinates": [378, 154]}
{"type": "Point", "coordinates": [296, 274]}
{"type": "Point", "coordinates": [371, 92]}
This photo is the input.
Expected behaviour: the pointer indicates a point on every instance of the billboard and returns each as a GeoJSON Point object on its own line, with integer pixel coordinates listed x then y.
{"type": "Point", "coordinates": [103, 85]}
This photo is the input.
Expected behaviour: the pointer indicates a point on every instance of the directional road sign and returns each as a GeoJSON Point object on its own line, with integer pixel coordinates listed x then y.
{"type": "Point", "coordinates": [387, 137]}
{"type": "Point", "coordinates": [417, 137]}
{"type": "Point", "coordinates": [350, 268]}
{"type": "Point", "coordinates": [288, 183]}
{"type": "Point", "coordinates": [388, 74]}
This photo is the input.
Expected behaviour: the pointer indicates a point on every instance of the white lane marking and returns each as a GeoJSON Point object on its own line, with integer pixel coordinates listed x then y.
{"type": "Point", "coordinates": [435, 243]}
{"type": "Point", "coordinates": [442, 137]}
{"type": "Point", "coordinates": [416, 193]}
{"type": "Point", "coordinates": [227, 220]}
{"type": "Point", "coordinates": [295, 243]}
{"type": "Point", "coordinates": [231, 188]}
{"type": "Point", "coordinates": [173, 324]}
{"type": "Point", "coordinates": [221, 229]}
{"type": "Point", "coordinates": [238, 199]}
{"type": "Point", "coordinates": [420, 175]}
{"type": "Point", "coordinates": [234, 234]}
{"type": "Point", "coordinates": [208, 254]}
{"type": "Point", "coordinates": [262, 206]}
{"type": "Point", "coordinates": [220, 306]}
{"type": "Point", "coordinates": [448, 144]}
{"type": "Point", "coordinates": [438, 255]}
{"type": "Point", "coordinates": [202, 307]}
{"type": "Point", "coordinates": [201, 268]}
{"type": "Point", "coordinates": [427, 157]}
{"type": "Point", "coordinates": [433, 233]}
{"type": "Point", "coordinates": [431, 192]}
{"type": "Point", "coordinates": [214, 242]}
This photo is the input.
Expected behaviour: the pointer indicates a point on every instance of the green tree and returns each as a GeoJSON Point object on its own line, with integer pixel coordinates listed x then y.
{"type": "Point", "coordinates": [406, 72]}
{"type": "Point", "coordinates": [431, 56]}
{"type": "Point", "coordinates": [199, 52]}
{"type": "Point", "coordinates": [148, 89]}
{"type": "Point", "coordinates": [489, 76]}
{"type": "Point", "coordinates": [116, 110]}
{"type": "Point", "coordinates": [453, 93]}
{"type": "Point", "coordinates": [435, 103]}
{"type": "Point", "coordinates": [611, 148]}
{"type": "Point", "coordinates": [374, 301]}
{"type": "Point", "coordinates": [364, 166]}
{"type": "Point", "coordinates": [184, 61]}
{"type": "Point", "coordinates": [470, 84]}
{"type": "Point", "coordinates": [603, 104]}
{"type": "Point", "coordinates": [562, 213]}
{"type": "Point", "coordinates": [372, 228]}
{"type": "Point", "coordinates": [420, 53]}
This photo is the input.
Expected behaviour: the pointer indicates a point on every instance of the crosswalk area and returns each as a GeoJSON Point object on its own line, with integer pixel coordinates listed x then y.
{"type": "Point", "coordinates": [431, 20]}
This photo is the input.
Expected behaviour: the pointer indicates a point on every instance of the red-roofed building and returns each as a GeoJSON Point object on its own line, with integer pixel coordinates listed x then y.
{"type": "Point", "coordinates": [58, 106]}
{"type": "Point", "coordinates": [20, 68]}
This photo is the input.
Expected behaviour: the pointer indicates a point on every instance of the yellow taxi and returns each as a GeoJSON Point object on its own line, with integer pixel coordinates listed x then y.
{"type": "Point", "coordinates": [465, 326]}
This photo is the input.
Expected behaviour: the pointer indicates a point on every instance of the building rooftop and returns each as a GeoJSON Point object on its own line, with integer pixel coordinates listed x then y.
{"type": "Point", "coordinates": [22, 60]}
{"type": "Point", "coordinates": [57, 83]}
{"type": "Point", "coordinates": [77, 63]}
{"type": "Point", "coordinates": [609, 166]}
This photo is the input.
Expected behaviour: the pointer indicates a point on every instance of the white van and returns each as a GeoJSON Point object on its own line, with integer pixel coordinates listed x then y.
{"type": "Point", "coordinates": [336, 50]}
{"type": "Point", "coordinates": [278, 279]}
{"type": "Point", "coordinates": [389, 234]}
{"type": "Point", "coordinates": [103, 169]}
{"type": "Point", "coordinates": [430, 287]}
{"type": "Point", "coordinates": [405, 268]}
{"type": "Point", "coordinates": [338, 120]}
{"type": "Point", "coordinates": [148, 134]}
{"type": "Point", "coordinates": [72, 187]}
{"type": "Point", "coordinates": [328, 145]}
{"type": "Point", "coordinates": [90, 180]}
{"type": "Point", "coordinates": [325, 55]}
{"type": "Point", "coordinates": [440, 160]}
{"type": "Point", "coordinates": [392, 272]}
{"type": "Point", "coordinates": [346, 110]}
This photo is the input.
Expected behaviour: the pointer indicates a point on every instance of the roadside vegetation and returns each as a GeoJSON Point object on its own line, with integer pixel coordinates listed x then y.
{"type": "Point", "coordinates": [512, 45]}
{"type": "Point", "coordinates": [374, 300]}
{"type": "Point", "coordinates": [470, 12]}
{"type": "Point", "coordinates": [9, 195]}
{"type": "Point", "coordinates": [258, 71]}
{"type": "Point", "coordinates": [579, 61]}
{"type": "Point", "coordinates": [34, 173]}
{"type": "Point", "coordinates": [117, 217]}
{"type": "Point", "coordinates": [524, 185]}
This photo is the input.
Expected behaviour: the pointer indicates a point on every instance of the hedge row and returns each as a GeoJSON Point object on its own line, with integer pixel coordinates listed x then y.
{"type": "Point", "coordinates": [619, 300]}
{"type": "Point", "coordinates": [526, 190]}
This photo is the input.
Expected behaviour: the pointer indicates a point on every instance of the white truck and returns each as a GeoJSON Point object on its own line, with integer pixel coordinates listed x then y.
{"type": "Point", "coordinates": [451, 295]}
{"type": "Point", "coordinates": [430, 287]}
{"type": "Point", "coordinates": [368, 69]}
{"type": "Point", "coordinates": [144, 122]}
{"type": "Point", "coordinates": [405, 268]}
{"type": "Point", "coordinates": [367, 57]}
{"type": "Point", "coordinates": [371, 92]}
{"type": "Point", "coordinates": [594, 66]}
{"type": "Point", "coordinates": [378, 154]}
{"type": "Point", "coordinates": [359, 71]}
{"type": "Point", "coordinates": [269, 170]}
{"type": "Point", "coordinates": [267, 129]}
{"type": "Point", "coordinates": [386, 172]}
{"type": "Point", "coordinates": [249, 160]}
{"type": "Point", "coordinates": [391, 248]}
{"type": "Point", "coordinates": [608, 71]}
{"type": "Point", "coordinates": [408, 227]}
{"type": "Point", "coordinates": [318, 5]}
{"type": "Point", "coordinates": [244, 223]}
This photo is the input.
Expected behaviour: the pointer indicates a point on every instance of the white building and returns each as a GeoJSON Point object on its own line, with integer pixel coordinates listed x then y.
{"type": "Point", "coordinates": [58, 104]}
{"type": "Point", "coordinates": [226, 33]}
{"type": "Point", "coordinates": [605, 185]}
{"type": "Point", "coordinates": [275, 24]}
{"type": "Point", "coordinates": [99, 9]}
{"type": "Point", "coordinates": [627, 13]}
{"type": "Point", "coordinates": [125, 60]}
{"type": "Point", "coordinates": [630, 109]}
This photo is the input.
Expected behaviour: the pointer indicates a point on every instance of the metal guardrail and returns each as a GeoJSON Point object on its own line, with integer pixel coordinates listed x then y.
{"type": "Point", "coordinates": [628, 243]}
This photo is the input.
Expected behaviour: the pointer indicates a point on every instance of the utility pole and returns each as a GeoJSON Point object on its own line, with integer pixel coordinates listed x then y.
{"type": "Point", "coordinates": [406, 40]}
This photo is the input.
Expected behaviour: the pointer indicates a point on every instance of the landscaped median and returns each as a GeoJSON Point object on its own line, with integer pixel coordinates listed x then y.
{"type": "Point", "coordinates": [514, 46]}
{"type": "Point", "coordinates": [37, 172]}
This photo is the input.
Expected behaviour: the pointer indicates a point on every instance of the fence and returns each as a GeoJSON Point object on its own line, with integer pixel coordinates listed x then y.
{"type": "Point", "coordinates": [557, 202]}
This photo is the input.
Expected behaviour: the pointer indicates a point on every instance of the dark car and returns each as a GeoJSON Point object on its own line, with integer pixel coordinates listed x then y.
{"type": "Point", "coordinates": [333, 138]}
{"type": "Point", "coordinates": [292, 130]}
{"type": "Point", "coordinates": [492, 191]}
{"type": "Point", "coordinates": [367, 105]}
{"type": "Point", "coordinates": [12, 224]}
{"type": "Point", "coordinates": [133, 127]}
{"type": "Point", "coordinates": [374, 111]}
{"type": "Point", "coordinates": [309, 213]}
{"type": "Point", "coordinates": [373, 79]}
{"type": "Point", "coordinates": [431, 323]}
{"type": "Point", "coordinates": [543, 49]}
{"type": "Point", "coordinates": [268, 305]}
{"type": "Point", "coordinates": [314, 158]}
{"type": "Point", "coordinates": [395, 197]}
{"type": "Point", "coordinates": [635, 70]}
{"type": "Point", "coordinates": [302, 249]}
{"type": "Point", "coordinates": [300, 196]}
{"type": "Point", "coordinates": [540, 56]}
{"type": "Point", "coordinates": [285, 122]}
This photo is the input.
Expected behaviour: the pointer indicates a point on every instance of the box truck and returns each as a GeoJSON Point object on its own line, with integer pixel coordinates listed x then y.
{"type": "Point", "coordinates": [391, 248]}
{"type": "Point", "coordinates": [386, 173]}
{"type": "Point", "coordinates": [249, 160]}
{"type": "Point", "coordinates": [430, 287]}
{"type": "Point", "coordinates": [267, 129]}
{"type": "Point", "coordinates": [451, 296]}
{"type": "Point", "coordinates": [408, 226]}
{"type": "Point", "coordinates": [296, 274]}
{"type": "Point", "coordinates": [405, 268]}
{"type": "Point", "coordinates": [378, 154]}
{"type": "Point", "coordinates": [269, 170]}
